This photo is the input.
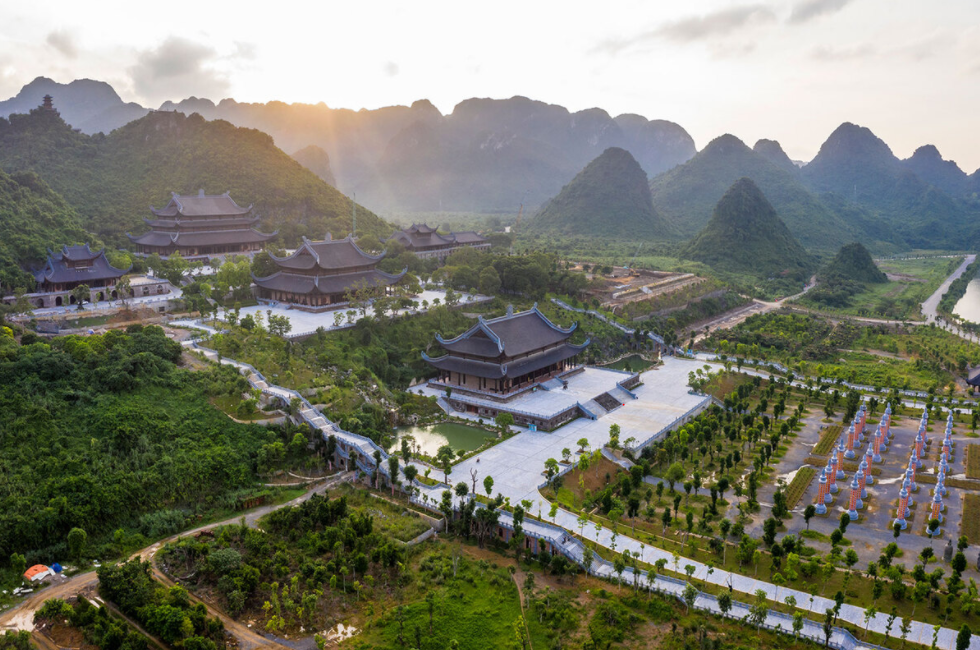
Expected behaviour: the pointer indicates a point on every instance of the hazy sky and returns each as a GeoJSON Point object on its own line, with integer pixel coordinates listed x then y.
{"type": "Point", "coordinates": [791, 70]}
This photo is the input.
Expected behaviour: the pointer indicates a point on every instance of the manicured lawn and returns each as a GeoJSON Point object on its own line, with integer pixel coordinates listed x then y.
{"type": "Point", "coordinates": [973, 461]}
{"type": "Point", "coordinates": [799, 485]}
{"type": "Point", "coordinates": [970, 521]}
{"type": "Point", "coordinates": [828, 439]}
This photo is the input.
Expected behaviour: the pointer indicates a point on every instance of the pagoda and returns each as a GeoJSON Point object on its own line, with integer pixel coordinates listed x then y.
{"type": "Point", "coordinates": [426, 242]}
{"type": "Point", "coordinates": [320, 275]}
{"type": "Point", "coordinates": [72, 267]}
{"type": "Point", "coordinates": [506, 354]}
{"type": "Point", "coordinates": [201, 227]}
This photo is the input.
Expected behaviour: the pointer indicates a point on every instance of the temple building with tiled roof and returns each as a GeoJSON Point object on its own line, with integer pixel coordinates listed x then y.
{"type": "Point", "coordinates": [319, 275]}
{"type": "Point", "coordinates": [427, 242]}
{"type": "Point", "coordinates": [506, 354]}
{"type": "Point", "coordinates": [201, 226]}
{"type": "Point", "coordinates": [69, 268]}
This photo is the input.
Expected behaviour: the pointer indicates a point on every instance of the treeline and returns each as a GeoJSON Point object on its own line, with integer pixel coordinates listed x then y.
{"type": "Point", "coordinates": [531, 275]}
{"type": "Point", "coordinates": [105, 432]}
{"type": "Point", "coordinates": [165, 613]}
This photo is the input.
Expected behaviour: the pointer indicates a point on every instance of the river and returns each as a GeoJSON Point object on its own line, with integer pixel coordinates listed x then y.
{"type": "Point", "coordinates": [968, 307]}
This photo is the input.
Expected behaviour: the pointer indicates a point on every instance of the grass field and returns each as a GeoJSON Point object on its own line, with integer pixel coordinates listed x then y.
{"type": "Point", "coordinates": [828, 439]}
{"type": "Point", "coordinates": [798, 485]}
{"type": "Point", "coordinates": [913, 281]}
{"type": "Point", "coordinates": [970, 521]}
{"type": "Point", "coordinates": [973, 461]}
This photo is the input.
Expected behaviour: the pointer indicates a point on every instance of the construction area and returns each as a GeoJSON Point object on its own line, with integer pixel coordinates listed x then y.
{"type": "Point", "coordinates": [625, 285]}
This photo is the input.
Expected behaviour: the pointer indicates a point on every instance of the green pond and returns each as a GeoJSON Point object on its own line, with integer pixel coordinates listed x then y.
{"type": "Point", "coordinates": [429, 439]}
{"type": "Point", "coordinates": [635, 361]}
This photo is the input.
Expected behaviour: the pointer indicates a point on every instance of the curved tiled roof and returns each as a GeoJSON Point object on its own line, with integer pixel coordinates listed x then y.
{"type": "Point", "coordinates": [511, 370]}
{"type": "Point", "coordinates": [200, 205]}
{"type": "Point", "coordinates": [57, 271]}
{"type": "Point", "coordinates": [514, 334]}
{"type": "Point", "coordinates": [329, 255]}
{"type": "Point", "coordinates": [327, 284]}
{"type": "Point", "coordinates": [205, 238]}
{"type": "Point", "coordinates": [202, 223]}
{"type": "Point", "coordinates": [421, 237]}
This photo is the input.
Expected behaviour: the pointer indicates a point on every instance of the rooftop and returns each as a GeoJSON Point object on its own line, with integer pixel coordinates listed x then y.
{"type": "Point", "coordinates": [328, 255]}
{"type": "Point", "coordinates": [201, 205]}
{"type": "Point", "coordinates": [58, 270]}
{"type": "Point", "coordinates": [511, 335]}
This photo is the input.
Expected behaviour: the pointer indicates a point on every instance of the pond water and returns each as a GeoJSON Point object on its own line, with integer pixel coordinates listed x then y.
{"type": "Point", "coordinates": [635, 361]}
{"type": "Point", "coordinates": [458, 436]}
{"type": "Point", "coordinates": [968, 307]}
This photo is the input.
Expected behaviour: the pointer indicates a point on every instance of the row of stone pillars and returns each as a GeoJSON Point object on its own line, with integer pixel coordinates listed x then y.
{"type": "Point", "coordinates": [845, 450]}
{"type": "Point", "coordinates": [909, 485]}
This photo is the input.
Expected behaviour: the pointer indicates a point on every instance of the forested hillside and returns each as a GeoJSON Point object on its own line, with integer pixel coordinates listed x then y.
{"type": "Point", "coordinates": [853, 262]}
{"type": "Point", "coordinates": [687, 194]}
{"type": "Point", "coordinates": [112, 180]}
{"type": "Point", "coordinates": [857, 165]}
{"type": "Point", "coordinates": [32, 218]}
{"type": "Point", "coordinates": [104, 432]}
{"type": "Point", "coordinates": [745, 235]}
{"type": "Point", "coordinates": [609, 198]}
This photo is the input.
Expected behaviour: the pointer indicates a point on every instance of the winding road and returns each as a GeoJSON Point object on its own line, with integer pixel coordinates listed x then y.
{"type": "Point", "coordinates": [21, 616]}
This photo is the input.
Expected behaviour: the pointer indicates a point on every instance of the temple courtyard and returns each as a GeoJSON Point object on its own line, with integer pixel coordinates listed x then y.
{"type": "Point", "coordinates": [517, 464]}
{"type": "Point", "coordinates": [305, 323]}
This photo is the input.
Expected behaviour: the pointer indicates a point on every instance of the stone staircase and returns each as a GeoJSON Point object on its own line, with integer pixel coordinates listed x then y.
{"type": "Point", "coordinates": [592, 409]}
{"type": "Point", "coordinates": [621, 395]}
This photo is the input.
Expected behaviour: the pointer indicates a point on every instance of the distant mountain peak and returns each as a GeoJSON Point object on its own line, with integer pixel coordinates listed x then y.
{"type": "Point", "coordinates": [609, 198]}
{"type": "Point", "coordinates": [772, 151]}
{"type": "Point", "coordinates": [851, 139]}
{"type": "Point", "coordinates": [746, 235]}
{"type": "Point", "coordinates": [725, 144]}
{"type": "Point", "coordinates": [927, 152]}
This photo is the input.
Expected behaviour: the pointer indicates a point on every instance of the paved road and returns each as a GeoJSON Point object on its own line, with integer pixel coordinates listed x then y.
{"type": "Point", "coordinates": [733, 318]}
{"type": "Point", "coordinates": [21, 616]}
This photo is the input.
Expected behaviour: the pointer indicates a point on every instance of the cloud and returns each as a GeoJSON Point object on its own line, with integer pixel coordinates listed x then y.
{"type": "Point", "coordinates": [176, 69]}
{"type": "Point", "coordinates": [715, 24]}
{"type": "Point", "coordinates": [809, 9]}
{"type": "Point", "coordinates": [831, 54]}
{"type": "Point", "coordinates": [244, 51]}
{"type": "Point", "coordinates": [64, 42]}
{"type": "Point", "coordinates": [391, 69]}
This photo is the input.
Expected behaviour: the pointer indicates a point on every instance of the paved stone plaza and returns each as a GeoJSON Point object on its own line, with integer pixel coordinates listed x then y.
{"type": "Point", "coordinates": [516, 464]}
{"type": "Point", "coordinates": [306, 322]}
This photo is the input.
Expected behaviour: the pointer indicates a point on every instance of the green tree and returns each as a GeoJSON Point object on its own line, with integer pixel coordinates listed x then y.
{"type": "Point", "coordinates": [77, 539]}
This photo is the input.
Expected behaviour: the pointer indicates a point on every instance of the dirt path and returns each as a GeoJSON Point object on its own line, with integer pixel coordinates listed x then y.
{"type": "Point", "coordinates": [21, 616]}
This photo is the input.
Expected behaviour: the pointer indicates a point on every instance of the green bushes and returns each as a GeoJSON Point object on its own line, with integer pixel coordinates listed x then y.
{"type": "Point", "coordinates": [96, 624]}
{"type": "Point", "coordinates": [166, 613]}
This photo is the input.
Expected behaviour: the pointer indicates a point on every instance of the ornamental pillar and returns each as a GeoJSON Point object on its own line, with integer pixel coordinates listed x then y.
{"type": "Point", "coordinates": [853, 505]}
{"type": "Point", "coordinates": [862, 478]}
{"type": "Point", "coordinates": [851, 437]}
{"type": "Point", "coordinates": [822, 493]}
{"type": "Point", "coordinates": [841, 449]}
{"type": "Point", "coordinates": [903, 503]}
{"type": "Point", "coordinates": [877, 445]}
{"type": "Point", "coordinates": [831, 478]}
{"type": "Point", "coordinates": [868, 461]}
